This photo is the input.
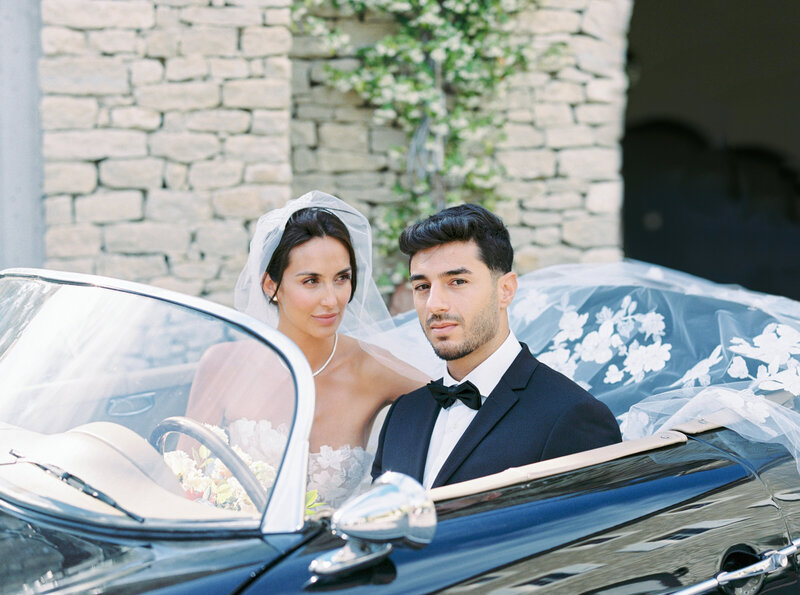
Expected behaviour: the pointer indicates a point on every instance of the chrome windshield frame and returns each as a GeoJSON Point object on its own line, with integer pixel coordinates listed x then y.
{"type": "Point", "coordinates": [285, 511]}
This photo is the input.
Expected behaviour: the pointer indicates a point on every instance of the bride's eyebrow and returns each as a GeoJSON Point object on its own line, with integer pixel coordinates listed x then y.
{"type": "Point", "coordinates": [313, 274]}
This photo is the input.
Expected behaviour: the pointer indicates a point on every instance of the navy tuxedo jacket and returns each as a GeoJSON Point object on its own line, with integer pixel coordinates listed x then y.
{"type": "Point", "coordinates": [534, 413]}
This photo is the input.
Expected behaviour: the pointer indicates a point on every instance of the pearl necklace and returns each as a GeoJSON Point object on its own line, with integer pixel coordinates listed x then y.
{"type": "Point", "coordinates": [330, 357]}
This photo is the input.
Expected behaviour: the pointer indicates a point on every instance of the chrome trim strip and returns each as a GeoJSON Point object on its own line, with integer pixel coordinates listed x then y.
{"type": "Point", "coordinates": [288, 511]}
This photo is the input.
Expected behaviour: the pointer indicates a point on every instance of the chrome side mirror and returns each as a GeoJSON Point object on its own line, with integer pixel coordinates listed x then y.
{"type": "Point", "coordinates": [396, 510]}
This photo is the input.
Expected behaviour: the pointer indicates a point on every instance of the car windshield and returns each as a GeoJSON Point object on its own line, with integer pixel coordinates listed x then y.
{"type": "Point", "coordinates": [119, 406]}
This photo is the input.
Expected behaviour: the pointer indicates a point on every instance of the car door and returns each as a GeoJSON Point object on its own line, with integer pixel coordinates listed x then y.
{"type": "Point", "coordinates": [648, 522]}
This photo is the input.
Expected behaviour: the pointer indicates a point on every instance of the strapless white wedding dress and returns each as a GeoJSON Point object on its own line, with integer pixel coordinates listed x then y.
{"type": "Point", "coordinates": [336, 473]}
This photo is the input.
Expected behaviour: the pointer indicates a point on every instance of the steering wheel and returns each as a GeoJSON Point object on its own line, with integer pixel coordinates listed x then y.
{"type": "Point", "coordinates": [220, 449]}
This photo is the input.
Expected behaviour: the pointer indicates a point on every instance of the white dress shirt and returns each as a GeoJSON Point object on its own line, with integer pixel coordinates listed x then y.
{"type": "Point", "coordinates": [453, 421]}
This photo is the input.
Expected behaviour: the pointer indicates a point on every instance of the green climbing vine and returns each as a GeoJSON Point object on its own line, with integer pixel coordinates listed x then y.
{"type": "Point", "coordinates": [435, 77]}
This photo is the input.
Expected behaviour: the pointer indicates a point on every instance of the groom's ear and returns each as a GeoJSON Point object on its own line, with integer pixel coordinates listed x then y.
{"type": "Point", "coordinates": [506, 289]}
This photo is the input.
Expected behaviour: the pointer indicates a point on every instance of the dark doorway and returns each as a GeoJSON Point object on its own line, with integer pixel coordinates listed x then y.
{"type": "Point", "coordinates": [711, 152]}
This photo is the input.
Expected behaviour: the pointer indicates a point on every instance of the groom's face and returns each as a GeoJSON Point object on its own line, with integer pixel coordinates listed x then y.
{"type": "Point", "coordinates": [460, 301]}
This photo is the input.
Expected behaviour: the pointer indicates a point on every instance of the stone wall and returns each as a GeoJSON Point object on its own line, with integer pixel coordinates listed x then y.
{"type": "Point", "coordinates": [561, 152]}
{"type": "Point", "coordinates": [166, 134]}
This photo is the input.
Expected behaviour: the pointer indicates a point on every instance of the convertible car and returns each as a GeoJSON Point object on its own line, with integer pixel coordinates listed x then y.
{"type": "Point", "coordinates": [117, 474]}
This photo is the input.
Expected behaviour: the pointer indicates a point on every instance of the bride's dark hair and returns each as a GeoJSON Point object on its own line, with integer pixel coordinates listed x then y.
{"type": "Point", "coordinates": [304, 225]}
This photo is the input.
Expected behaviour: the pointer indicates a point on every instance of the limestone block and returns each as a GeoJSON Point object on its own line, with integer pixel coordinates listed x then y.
{"type": "Point", "coordinates": [204, 269]}
{"type": "Point", "coordinates": [66, 112]}
{"type": "Point", "coordinates": [577, 5]}
{"type": "Point", "coordinates": [605, 197]}
{"type": "Point", "coordinates": [181, 286]}
{"type": "Point", "coordinates": [520, 236]}
{"type": "Point", "coordinates": [176, 175]}
{"type": "Point", "coordinates": [91, 145]}
{"type": "Point", "coordinates": [331, 160]}
{"type": "Point", "coordinates": [609, 135]}
{"type": "Point", "coordinates": [545, 21]}
{"type": "Point", "coordinates": [562, 92]}
{"type": "Point", "coordinates": [144, 173]}
{"type": "Point", "coordinates": [99, 14]}
{"type": "Point", "coordinates": [161, 43]}
{"type": "Point", "coordinates": [569, 136]}
{"type": "Point", "coordinates": [84, 75]}
{"type": "Point", "coordinates": [380, 196]}
{"type": "Point", "coordinates": [520, 190]}
{"type": "Point", "coordinates": [136, 268]}
{"type": "Point", "coordinates": [348, 137]}
{"type": "Point", "coordinates": [606, 90]}
{"type": "Point", "coordinates": [508, 210]}
{"type": "Point", "coordinates": [183, 3]}
{"type": "Point", "coordinates": [172, 206]}
{"type": "Point", "coordinates": [530, 258]}
{"type": "Point", "coordinates": [302, 183]}
{"type": "Point", "coordinates": [146, 237]}
{"type": "Point", "coordinates": [219, 120]}
{"type": "Point", "coordinates": [167, 17]}
{"type": "Point", "coordinates": [553, 202]}
{"type": "Point", "coordinates": [174, 121]}
{"type": "Point", "coordinates": [547, 115]}
{"type": "Point", "coordinates": [304, 133]}
{"type": "Point", "coordinates": [599, 113]}
{"type": "Point", "coordinates": [303, 160]}
{"type": "Point", "coordinates": [222, 238]}
{"type": "Point", "coordinates": [363, 34]}
{"type": "Point", "coordinates": [602, 255]}
{"type": "Point", "coordinates": [59, 40]}
{"type": "Point", "coordinates": [184, 147]}
{"type": "Point", "coordinates": [221, 16]}
{"type": "Point", "coordinates": [278, 16]}
{"type": "Point", "coordinates": [604, 58]}
{"type": "Point", "coordinates": [186, 68]}
{"type": "Point", "coordinates": [268, 173]}
{"type": "Point", "coordinates": [309, 46]}
{"type": "Point", "coordinates": [310, 111]}
{"type": "Point", "coordinates": [106, 207]}
{"type": "Point", "coordinates": [253, 149]}
{"type": "Point", "coordinates": [361, 180]}
{"type": "Point", "coordinates": [384, 139]}
{"type": "Point", "coordinates": [567, 185]}
{"type": "Point", "coordinates": [271, 122]}
{"type": "Point", "coordinates": [209, 41]}
{"type": "Point", "coordinates": [144, 72]}
{"type": "Point", "coordinates": [276, 67]}
{"type": "Point", "coordinates": [140, 118]}
{"type": "Point", "coordinates": [528, 164]}
{"type": "Point", "coordinates": [243, 202]}
{"type": "Point", "coordinates": [574, 75]}
{"type": "Point", "coordinates": [541, 218]}
{"type": "Point", "coordinates": [178, 96]}
{"type": "Point", "coordinates": [547, 235]}
{"type": "Point", "coordinates": [301, 77]}
{"type": "Point", "coordinates": [207, 175]}
{"type": "Point", "coordinates": [590, 232]}
{"type": "Point", "coordinates": [531, 80]}
{"type": "Point", "coordinates": [607, 19]}
{"type": "Point", "coordinates": [519, 115]}
{"type": "Point", "coordinates": [69, 241]}
{"type": "Point", "coordinates": [72, 265]}
{"type": "Point", "coordinates": [58, 210]}
{"type": "Point", "coordinates": [266, 41]}
{"type": "Point", "coordinates": [325, 95]}
{"type": "Point", "coordinates": [62, 177]}
{"type": "Point", "coordinates": [320, 69]}
{"type": "Point", "coordinates": [113, 41]}
{"type": "Point", "coordinates": [263, 3]}
{"type": "Point", "coordinates": [520, 136]}
{"type": "Point", "coordinates": [253, 94]}
{"type": "Point", "coordinates": [228, 68]}
{"type": "Point", "coordinates": [590, 163]}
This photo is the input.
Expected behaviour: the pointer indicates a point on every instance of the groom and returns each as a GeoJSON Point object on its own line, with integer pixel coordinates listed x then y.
{"type": "Point", "coordinates": [497, 406]}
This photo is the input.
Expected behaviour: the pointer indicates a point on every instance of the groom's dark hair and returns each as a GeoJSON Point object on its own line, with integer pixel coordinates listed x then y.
{"type": "Point", "coordinates": [463, 223]}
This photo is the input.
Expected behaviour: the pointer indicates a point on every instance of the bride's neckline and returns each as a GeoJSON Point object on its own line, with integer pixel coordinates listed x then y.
{"type": "Point", "coordinates": [330, 357]}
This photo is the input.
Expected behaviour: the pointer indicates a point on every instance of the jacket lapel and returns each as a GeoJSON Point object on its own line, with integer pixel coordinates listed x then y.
{"type": "Point", "coordinates": [419, 433]}
{"type": "Point", "coordinates": [500, 401]}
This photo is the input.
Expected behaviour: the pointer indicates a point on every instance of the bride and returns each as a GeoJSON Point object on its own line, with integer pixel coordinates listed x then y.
{"type": "Point", "coordinates": [309, 274]}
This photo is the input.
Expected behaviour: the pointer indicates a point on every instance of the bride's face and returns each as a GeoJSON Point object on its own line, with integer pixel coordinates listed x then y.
{"type": "Point", "coordinates": [315, 288]}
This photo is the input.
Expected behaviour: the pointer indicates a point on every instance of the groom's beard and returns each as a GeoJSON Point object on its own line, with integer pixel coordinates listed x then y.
{"type": "Point", "coordinates": [484, 327]}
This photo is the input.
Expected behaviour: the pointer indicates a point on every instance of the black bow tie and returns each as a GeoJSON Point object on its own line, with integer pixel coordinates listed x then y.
{"type": "Point", "coordinates": [466, 392]}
